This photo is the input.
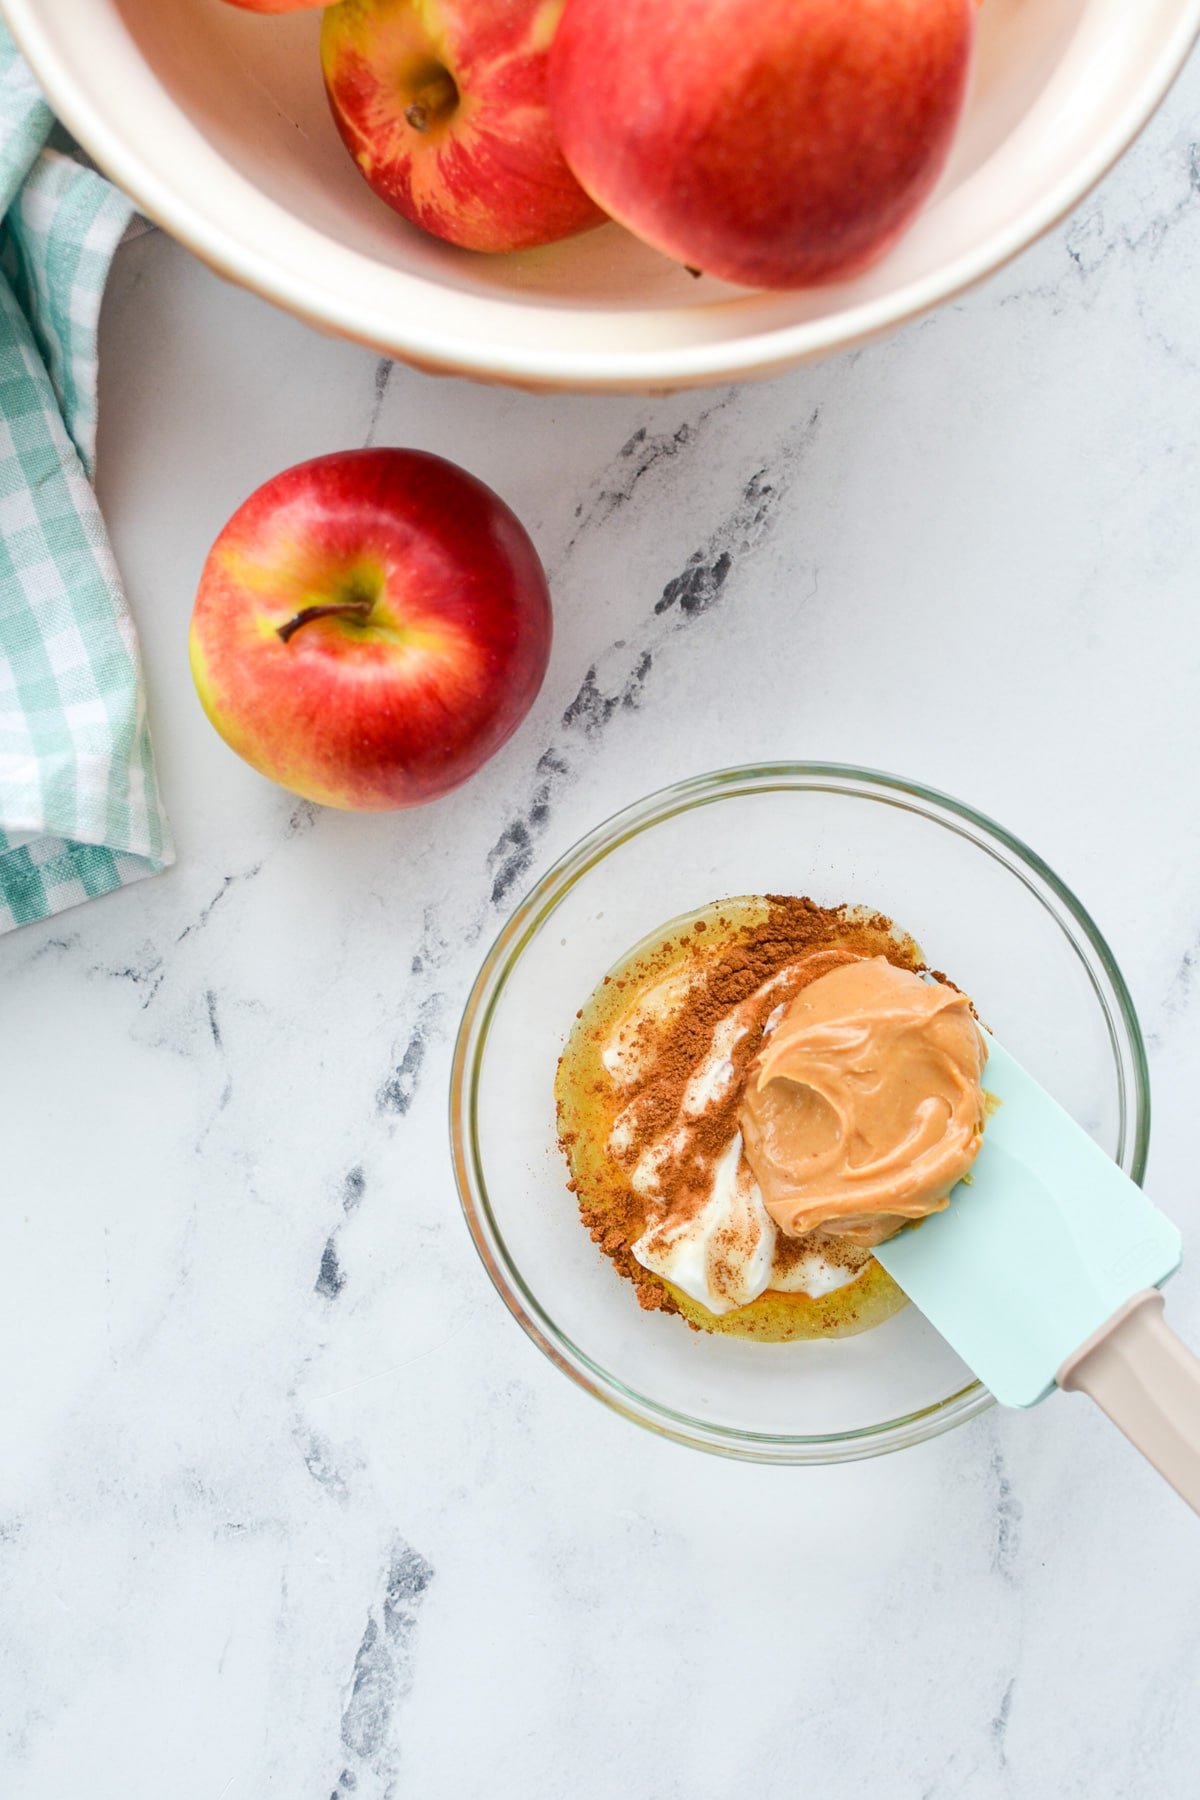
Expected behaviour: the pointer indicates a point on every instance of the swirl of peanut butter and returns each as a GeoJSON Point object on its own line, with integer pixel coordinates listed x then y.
{"type": "Point", "coordinates": [865, 1106]}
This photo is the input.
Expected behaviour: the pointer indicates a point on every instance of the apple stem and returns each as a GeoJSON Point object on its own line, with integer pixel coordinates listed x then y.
{"type": "Point", "coordinates": [348, 609]}
{"type": "Point", "coordinates": [432, 103]}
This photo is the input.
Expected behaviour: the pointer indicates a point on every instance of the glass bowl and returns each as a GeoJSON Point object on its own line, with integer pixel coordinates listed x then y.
{"type": "Point", "coordinates": [983, 908]}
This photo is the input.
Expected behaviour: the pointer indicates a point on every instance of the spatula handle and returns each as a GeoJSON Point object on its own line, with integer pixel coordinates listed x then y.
{"type": "Point", "coordinates": [1148, 1382]}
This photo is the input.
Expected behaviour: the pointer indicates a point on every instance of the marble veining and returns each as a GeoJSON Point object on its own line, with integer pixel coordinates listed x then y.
{"type": "Point", "coordinates": [259, 1388]}
{"type": "Point", "coordinates": [383, 1670]}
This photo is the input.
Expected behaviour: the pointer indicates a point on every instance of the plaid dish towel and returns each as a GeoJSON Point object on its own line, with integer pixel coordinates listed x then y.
{"type": "Point", "coordinates": [80, 813]}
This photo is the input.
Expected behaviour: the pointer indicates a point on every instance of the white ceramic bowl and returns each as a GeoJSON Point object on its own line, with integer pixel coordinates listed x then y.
{"type": "Point", "coordinates": [215, 121]}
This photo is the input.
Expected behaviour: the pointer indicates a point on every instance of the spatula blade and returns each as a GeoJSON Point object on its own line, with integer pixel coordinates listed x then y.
{"type": "Point", "coordinates": [1042, 1245]}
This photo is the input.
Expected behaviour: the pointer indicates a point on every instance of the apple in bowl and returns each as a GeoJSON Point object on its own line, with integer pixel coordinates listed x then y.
{"type": "Point", "coordinates": [772, 143]}
{"type": "Point", "coordinates": [370, 628]}
{"type": "Point", "coordinates": [444, 106]}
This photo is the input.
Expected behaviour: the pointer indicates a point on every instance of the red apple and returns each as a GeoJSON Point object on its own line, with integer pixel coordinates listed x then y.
{"type": "Point", "coordinates": [773, 143]}
{"type": "Point", "coordinates": [370, 628]}
{"type": "Point", "coordinates": [443, 106]}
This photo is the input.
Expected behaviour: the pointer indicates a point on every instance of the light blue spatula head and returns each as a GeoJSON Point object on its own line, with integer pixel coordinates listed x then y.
{"type": "Point", "coordinates": [1037, 1250]}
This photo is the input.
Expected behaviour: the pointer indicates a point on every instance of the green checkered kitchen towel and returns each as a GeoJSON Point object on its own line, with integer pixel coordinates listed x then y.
{"type": "Point", "coordinates": [79, 807]}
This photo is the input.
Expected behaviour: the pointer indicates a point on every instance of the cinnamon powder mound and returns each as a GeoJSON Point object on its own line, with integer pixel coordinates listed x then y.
{"type": "Point", "coordinates": [725, 965]}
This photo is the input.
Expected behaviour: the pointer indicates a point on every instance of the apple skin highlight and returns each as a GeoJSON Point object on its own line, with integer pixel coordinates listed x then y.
{"type": "Point", "coordinates": [370, 628]}
{"type": "Point", "coordinates": [444, 106]}
{"type": "Point", "coordinates": [771, 143]}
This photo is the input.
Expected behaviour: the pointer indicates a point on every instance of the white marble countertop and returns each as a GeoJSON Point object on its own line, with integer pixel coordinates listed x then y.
{"type": "Point", "coordinates": [288, 1504]}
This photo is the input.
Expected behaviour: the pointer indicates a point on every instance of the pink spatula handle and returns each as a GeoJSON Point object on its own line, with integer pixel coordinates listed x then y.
{"type": "Point", "coordinates": [1148, 1382]}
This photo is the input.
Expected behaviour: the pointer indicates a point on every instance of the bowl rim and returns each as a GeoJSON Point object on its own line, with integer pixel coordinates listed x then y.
{"type": "Point", "coordinates": [239, 257]}
{"type": "Point", "coordinates": [533, 912]}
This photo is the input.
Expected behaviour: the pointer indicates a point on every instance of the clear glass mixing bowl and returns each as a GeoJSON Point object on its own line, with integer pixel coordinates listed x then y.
{"type": "Point", "coordinates": [982, 906]}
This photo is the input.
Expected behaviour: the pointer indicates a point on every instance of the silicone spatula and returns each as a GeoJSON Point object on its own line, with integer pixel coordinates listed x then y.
{"type": "Point", "coordinates": [1044, 1272]}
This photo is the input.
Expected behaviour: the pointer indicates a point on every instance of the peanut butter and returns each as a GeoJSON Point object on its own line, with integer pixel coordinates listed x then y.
{"type": "Point", "coordinates": [865, 1105]}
